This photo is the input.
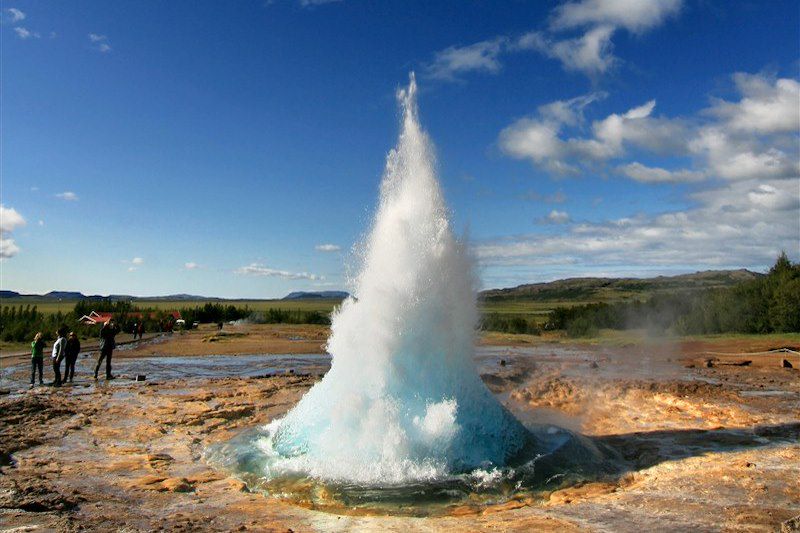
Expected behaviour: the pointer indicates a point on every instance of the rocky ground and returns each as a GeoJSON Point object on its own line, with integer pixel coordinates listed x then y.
{"type": "Point", "coordinates": [703, 448]}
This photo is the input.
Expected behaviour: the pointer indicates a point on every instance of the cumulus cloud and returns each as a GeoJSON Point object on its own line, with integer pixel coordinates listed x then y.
{"type": "Point", "coordinates": [557, 217]}
{"type": "Point", "coordinates": [579, 36]}
{"type": "Point", "coordinates": [327, 247]}
{"type": "Point", "coordinates": [99, 42]}
{"type": "Point", "coordinates": [767, 105]}
{"type": "Point", "coordinates": [589, 53]}
{"type": "Point", "coordinates": [260, 270]}
{"type": "Point", "coordinates": [741, 155]}
{"type": "Point", "coordinates": [755, 136]}
{"type": "Point", "coordinates": [67, 195]}
{"type": "Point", "coordinates": [15, 15]}
{"type": "Point", "coordinates": [644, 174]}
{"type": "Point", "coordinates": [540, 138]}
{"type": "Point", "coordinates": [25, 33]}
{"type": "Point", "coordinates": [191, 265]}
{"type": "Point", "coordinates": [10, 220]}
{"type": "Point", "coordinates": [137, 261]}
{"type": "Point", "coordinates": [447, 64]}
{"type": "Point", "coordinates": [741, 223]}
{"type": "Point", "coordinates": [634, 15]}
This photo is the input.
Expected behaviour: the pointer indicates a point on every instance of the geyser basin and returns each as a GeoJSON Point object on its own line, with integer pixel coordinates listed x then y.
{"type": "Point", "coordinates": [553, 458]}
{"type": "Point", "coordinates": [402, 413]}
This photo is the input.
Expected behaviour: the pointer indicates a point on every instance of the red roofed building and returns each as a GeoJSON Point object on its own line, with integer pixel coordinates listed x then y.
{"type": "Point", "coordinates": [95, 318]}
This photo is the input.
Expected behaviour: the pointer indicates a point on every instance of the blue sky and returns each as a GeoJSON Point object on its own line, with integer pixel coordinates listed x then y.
{"type": "Point", "coordinates": [235, 148]}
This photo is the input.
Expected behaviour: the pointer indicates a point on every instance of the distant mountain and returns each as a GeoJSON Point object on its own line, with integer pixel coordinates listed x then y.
{"type": "Point", "coordinates": [321, 295]}
{"type": "Point", "coordinates": [615, 289]}
{"type": "Point", "coordinates": [74, 295]}
{"type": "Point", "coordinates": [177, 298]}
{"type": "Point", "coordinates": [65, 295]}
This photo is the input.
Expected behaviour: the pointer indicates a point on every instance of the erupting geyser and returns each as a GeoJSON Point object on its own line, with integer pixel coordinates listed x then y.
{"type": "Point", "coordinates": [402, 415]}
{"type": "Point", "coordinates": [402, 400]}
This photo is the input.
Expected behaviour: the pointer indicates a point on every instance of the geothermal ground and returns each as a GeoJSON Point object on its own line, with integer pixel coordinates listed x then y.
{"type": "Point", "coordinates": [701, 448]}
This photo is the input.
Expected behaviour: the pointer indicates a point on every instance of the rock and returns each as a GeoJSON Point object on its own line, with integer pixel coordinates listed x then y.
{"type": "Point", "coordinates": [786, 364]}
{"type": "Point", "coordinates": [177, 484]}
{"type": "Point", "coordinates": [594, 364]}
{"type": "Point", "coordinates": [502, 362]}
{"type": "Point", "coordinates": [237, 485]}
{"type": "Point", "coordinates": [141, 377]}
{"type": "Point", "coordinates": [148, 482]}
{"type": "Point", "coordinates": [793, 524]}
{"type": "Point", "coordinates": [709, 363]}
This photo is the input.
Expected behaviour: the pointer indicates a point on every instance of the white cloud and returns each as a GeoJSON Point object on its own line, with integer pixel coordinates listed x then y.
{"type": "Point", "coordinates": [447, 64]}
{"type": "Point", "coordinates": [67, 195]}
{"type": "Point", "coordinates": [742, 223]}
{"type": "Point", "coordinates": [99, 42]}
{"type": "Point", "coordinates": [191, 265]}
{"type": "Point", "coordinates": [41, 223]}
{"type": "Point", "coordinates": [15, 15]}
{"type": "Point", "coordinates": [327, 247]}
{"type": "Point", "coordinates": [540, 138]}
{"type": "Point", "coordinates": [10, 220]}
{"type": "Point", "coordinates": [742, 155]}
{"type": "Point", "coordinates": [557, 217]}
{"type": "Point", "coordinates": [312, 3]}
{"type": "Point", "coordinates": [637, 171]}
{"type": "Point", "coordinates": [257, 269]}
{"type": "Point", "coordinates": [767, 105]}
{"type": "Point", "coordinates": [733, 157]}
{"type": "Point", "coordinates": [633, 15]}
{"type": "Point", "coordinates": [137, 261]}
{"type": "Point", "coordinates": [589, 53]}
{"type": "Point", "coordinates": [25, 33]}
{"type": "Point", "coordinates": [737, 140]}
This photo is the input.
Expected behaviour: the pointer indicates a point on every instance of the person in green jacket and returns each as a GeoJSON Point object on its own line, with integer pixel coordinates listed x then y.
{"type": "Point", "coordinates": [37, 358]}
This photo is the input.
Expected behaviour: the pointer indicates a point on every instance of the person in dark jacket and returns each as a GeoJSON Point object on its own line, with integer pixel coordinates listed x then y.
{"type": "Point", "coordinates": [71, 351]}
{"type": "Point", "coordinates": [107, 345]}
{"type": "Point", "coordinates": [37, 358]}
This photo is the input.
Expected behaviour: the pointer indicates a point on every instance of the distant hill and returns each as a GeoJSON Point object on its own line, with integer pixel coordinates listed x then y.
{"type": "Point", "coordinates": [74, 295]}
{"type": "Point", "coordinates": [615, 289]}
{"type": "Point", "coordinates": [65, 295]}
{"type": "Point", "coordinates": [321, 295]}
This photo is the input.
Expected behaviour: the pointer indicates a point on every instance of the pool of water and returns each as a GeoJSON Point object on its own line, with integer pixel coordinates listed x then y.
{"type": "Point", "coordinates": [552, 459]}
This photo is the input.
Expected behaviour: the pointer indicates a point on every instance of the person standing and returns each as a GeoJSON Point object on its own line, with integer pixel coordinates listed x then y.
{"type": "Point", "coordinates": [71, 351]}
{"type": "Point", "coordinates": [37, 358]}
{"type": "Point", "coordinates": [58, 354]}
{"type": "Point", "coordinates": [107, 345]}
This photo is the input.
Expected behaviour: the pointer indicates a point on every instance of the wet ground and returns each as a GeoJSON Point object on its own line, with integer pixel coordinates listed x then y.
{"type": "Point", "coordinates": [701, 448]}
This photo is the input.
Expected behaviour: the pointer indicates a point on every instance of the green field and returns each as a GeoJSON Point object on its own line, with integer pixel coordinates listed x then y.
{"type": "Point", "coordinates": [528, 309]}
{"type": "Point", "coordinates": [50, 306]}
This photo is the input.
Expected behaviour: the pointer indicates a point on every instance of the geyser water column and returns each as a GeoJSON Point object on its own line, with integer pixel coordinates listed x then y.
{"type": "Point", "coordinates": [402, 401]}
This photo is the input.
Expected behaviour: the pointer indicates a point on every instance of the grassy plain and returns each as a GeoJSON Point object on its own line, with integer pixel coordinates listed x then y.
{"type": "Point", "coordinates": [48, 305]}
